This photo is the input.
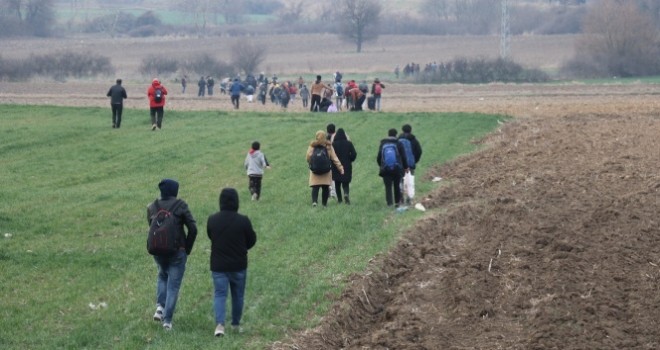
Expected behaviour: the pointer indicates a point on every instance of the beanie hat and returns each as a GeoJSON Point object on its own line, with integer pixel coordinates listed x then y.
{"type": "Point", "coordinates": [168, 188]}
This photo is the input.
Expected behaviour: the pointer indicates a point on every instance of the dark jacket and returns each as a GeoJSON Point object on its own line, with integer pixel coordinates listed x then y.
{"type": "Point", "coordinates": [416, 146]}
{"type": "Point", "coordinates": [236, 88]}
{"type": "Point", "coordinates": [231, 235]}
{"type": "Point", "coordinates": [346, 153]}
{"type": "Point", "coordinates": [379, 157]}
{"type": "Point", "coordinates": [117, 94]}
{"type": "Point", "coordinates": [168, 192]}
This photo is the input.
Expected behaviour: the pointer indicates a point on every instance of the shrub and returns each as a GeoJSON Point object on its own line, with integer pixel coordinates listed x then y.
{"type": "Point", "coordinates": [156, 65]}
{"type": "Point", "coordinates": [59, 65]}
{"type": "Point", "coordinates": [480, 70]}
{"type": "Point", "coordinates": [205, 64]}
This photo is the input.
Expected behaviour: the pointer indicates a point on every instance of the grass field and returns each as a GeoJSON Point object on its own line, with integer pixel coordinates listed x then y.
{"type": "Point", "coordinates": [73, 220]}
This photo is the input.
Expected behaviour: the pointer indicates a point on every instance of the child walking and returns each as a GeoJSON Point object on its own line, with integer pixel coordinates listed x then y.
{"type": "Point", "coordinates": [255, 163]}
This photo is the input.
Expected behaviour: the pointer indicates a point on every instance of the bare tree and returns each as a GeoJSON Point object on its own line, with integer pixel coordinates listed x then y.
{"type": "Point", "coordinates": [436, 8]}
{"type": "Point", "coordinates": [359, 21]}
{"type": "Point", "coordinates": [619, 38]}
{"type": "Point", "coordinates": [247, 56]}
{"type": "Point", "coordinates": [291, 13]}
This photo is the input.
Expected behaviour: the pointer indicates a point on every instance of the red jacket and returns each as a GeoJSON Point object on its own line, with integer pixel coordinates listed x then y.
{"type": "Point", "coordinates": [151, 92]}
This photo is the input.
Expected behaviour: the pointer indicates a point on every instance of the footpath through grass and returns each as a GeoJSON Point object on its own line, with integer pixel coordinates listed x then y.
{"type": "Point", "coordinates": [73, 263]}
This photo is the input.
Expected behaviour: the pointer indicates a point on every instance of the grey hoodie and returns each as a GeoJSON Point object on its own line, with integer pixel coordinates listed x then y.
{"type": "Point", "coordinates": [255, 162]}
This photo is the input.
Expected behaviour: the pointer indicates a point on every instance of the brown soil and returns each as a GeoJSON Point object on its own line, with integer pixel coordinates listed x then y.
{"type": "Point", "coordinates": [549, 238]}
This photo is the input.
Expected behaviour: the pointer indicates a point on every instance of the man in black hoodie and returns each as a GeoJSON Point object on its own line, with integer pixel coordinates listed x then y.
{"type": "Point", "coordinates": [413, 151]}
{"type": "Point", "coordinates": [171, 267]}
{"type": "Point", "coordinates": [231, 236]}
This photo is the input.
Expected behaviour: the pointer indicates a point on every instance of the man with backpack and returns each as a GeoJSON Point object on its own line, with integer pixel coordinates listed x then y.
{"type": "Point", "coordinates": [391, 159]}
{"type": "Point", "coordinates": [156, 94]}
{"type": "Point", "coordinates": [376, 91]}
{"type": "Point", "coordinates": [170, 246]}
{"type": "Point", "coordinates": [413, 151]}
{"type": "Point", "coordinates": [320, 158]}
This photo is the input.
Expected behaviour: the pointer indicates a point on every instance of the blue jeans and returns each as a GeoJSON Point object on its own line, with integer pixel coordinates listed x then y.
{"type": "Point", "coordinates": [170, 276]}
{"type": "Point", "coordinates": [377, 100]}
{"type": "Point", "coordinates": [235, 282]}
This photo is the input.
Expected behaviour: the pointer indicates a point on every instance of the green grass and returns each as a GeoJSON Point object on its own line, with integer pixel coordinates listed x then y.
{"type": "Point", "coordinates": [74, 195]}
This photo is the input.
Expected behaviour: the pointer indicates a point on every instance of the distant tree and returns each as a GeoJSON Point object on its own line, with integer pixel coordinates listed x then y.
{"type": "Point", "coordinates": [359, 20]}
{"type": "Point", "coordinates": [37, 17]}
{"type": "Point", "coordinates": [148, 18]}
{"type": "Point", "coordinates": [291, 13]}
{"type": "Point", "coordinates": [247, 56]}
{"type": "Point", "coordinates": [436, 8]}
{"type": "Point", "coordinates": [232, 10]}
{"type": "Point", "coordinates": [618, 40]}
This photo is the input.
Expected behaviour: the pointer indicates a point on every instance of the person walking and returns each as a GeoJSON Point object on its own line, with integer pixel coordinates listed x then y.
{"type": "Point", "coordinates": [255, 163]}
{"type": "Point", "coordinates": [304, 95]}
{"type": "Point", "coordinates": [235, 91]}
{"type": "Point", "coordinates": [231, 236]}
{"type": "Point", "coordinates": [319, 153]}
{"type": "Point", "coordinates": [317, 91]}
{"type": "Point", "coordinates": [184, 84]}
{"type": "Point", "coordinates": [202, 87]}
{"type": "Point", "coordinates": [117, 94]}
{"type": "Point", "coordinates": [413, 151]}
{"type": "Point", "coordinates": [346, 154]}
{"type": "Point", "coordinates": [171, 268]}
{"type": "Point", "coordinates": [156, 94]}
{"type": "Point", "coordinates": [390, 160]}
{"type": "Point", "coordinates": [210, 83]}
{"type": "Point", "coordinates": [377, 91]}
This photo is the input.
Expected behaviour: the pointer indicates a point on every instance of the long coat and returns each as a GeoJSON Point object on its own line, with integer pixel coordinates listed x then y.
{"type": "Point", "coordinates": [323, 179]}
{"type": "Point", "coordinates": [346, 153]}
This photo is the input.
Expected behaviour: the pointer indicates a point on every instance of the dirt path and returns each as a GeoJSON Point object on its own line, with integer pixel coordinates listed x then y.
{"type": "Point", "coordinates": [547, 239]}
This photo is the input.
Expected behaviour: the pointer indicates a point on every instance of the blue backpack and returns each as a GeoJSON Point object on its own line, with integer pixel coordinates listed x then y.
{"type": "Point", "coordinates": [407, 147]}
{"type": "Point", "coordinates": [340, 90]}
{"type": "Point", "coordinates": [391, 160]}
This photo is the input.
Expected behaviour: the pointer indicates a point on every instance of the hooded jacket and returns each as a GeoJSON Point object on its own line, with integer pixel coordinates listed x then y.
{"type": "Point", "coordinates": [416, 146]}
{"type": "Point", "coordinates": [322, 179]}
{"type": "Point", "coordinates": [255, 161]}
{"type": "Point", "coordinates": [231, 235]}
{"type": "Point", "coordinates": [151, 93]}
{"type": "Point", "coordinates": [169, 189]}
{"type": "Point", "coordinates": [346, 154]}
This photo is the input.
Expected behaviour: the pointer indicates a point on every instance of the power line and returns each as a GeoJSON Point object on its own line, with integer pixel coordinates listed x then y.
{"type": "Point", "coordinates": [504, 30]}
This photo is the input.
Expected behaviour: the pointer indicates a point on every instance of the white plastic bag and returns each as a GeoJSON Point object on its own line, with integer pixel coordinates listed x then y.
{"type": "Point", "coordinates": [409, 185]}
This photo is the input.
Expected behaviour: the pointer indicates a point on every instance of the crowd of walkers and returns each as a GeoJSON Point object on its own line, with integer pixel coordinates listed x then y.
{"type": "Point", "coordinates": [330, 156]}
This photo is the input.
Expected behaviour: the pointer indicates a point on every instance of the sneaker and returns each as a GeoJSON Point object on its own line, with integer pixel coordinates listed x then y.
{"type": "Point", "coordinates": [167, 326]}
{"type": "Point", "coordinates": [347, 200]}
{"type": "Point", "coordinates": [314, 205]}
{"type": "Point", "coordinates": [254, 197]}
{"type": "Point", "coordinates": [219, 330]}
{"type": "Point", "coordinates": [153, 127]}
{"type": "Point", "coordinates": [158, 316]}
{"type": "Point", "coordinates": [236, 329]}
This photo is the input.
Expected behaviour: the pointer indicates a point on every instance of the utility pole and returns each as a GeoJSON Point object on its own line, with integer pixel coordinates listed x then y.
{"type": "Point", "coordinates": [504, 30]}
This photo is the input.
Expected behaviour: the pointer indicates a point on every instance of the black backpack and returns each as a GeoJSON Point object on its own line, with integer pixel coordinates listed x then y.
{"type": "Point", "coordinates": [158, 95]}
{"type": "Point", "coordinates": [319, 162]}
{"type": "Point", "coordinates": [164, 231]}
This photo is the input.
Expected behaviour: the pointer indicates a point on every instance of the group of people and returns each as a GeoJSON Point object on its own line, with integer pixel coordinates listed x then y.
{"type": "Point", "coordinates": [352, 96]}
{"type": "Point", "coordinates": [232, 235]}
{"type": "Point", "coordinates": [397, 158]}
